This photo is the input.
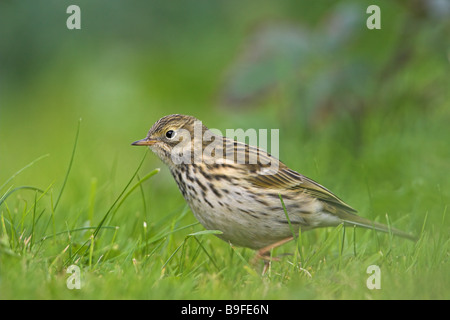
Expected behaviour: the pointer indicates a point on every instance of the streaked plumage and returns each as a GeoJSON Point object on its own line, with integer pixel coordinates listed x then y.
{"type": "Point", "coordinates": [242, 199]}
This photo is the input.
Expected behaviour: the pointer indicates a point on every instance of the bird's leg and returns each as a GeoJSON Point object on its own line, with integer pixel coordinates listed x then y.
{"type": "Point", "coordinates": [266, 250]}
{"type": "Point", "coordinates": [264, 253]}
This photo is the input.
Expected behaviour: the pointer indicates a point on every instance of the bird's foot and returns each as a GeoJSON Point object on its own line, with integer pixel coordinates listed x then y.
{"type": "Point", "coordinates": [264, 254]}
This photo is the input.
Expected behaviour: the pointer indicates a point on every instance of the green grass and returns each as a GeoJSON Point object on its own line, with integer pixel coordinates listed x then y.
{"type": "Point", "coordinates": [127, 248]}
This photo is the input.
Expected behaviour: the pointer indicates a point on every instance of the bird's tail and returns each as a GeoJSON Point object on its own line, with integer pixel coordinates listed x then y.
{"type": "Point", "coordinates": [355, 220]}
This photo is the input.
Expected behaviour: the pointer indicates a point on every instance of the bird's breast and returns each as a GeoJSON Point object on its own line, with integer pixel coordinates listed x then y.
{"type": "Point", "coordinates": [247, 216]}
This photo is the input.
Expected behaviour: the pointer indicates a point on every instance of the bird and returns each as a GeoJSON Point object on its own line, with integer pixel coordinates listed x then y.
{"type": "Point", "coordinates": [250, 196]}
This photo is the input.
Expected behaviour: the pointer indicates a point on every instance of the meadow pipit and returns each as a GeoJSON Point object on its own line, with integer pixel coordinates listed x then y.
{"type": "Point", "coordinates": [236, 188]}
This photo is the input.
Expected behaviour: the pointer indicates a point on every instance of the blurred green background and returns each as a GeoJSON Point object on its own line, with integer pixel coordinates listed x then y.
{"type": "Point", "coordinates": [364, 112]}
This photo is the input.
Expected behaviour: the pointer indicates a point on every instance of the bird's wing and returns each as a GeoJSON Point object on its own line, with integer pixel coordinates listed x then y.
{"type": "Point", "coordinates": [287, 179]}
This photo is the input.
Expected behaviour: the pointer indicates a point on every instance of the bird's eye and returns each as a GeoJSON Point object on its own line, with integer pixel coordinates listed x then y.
{"type": "Point", "coordinates": [170, 134]}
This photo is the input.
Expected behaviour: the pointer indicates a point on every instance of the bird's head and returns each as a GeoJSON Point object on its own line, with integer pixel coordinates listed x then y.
{"type": "Point", "coordinates": [173, 135]}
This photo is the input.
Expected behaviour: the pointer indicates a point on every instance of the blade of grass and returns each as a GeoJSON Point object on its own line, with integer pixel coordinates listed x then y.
{"type": "Point", "coordinates": [164, 235]}
{"type": "Point", "coordinates": [173, 253]}
{"type": "Point", "coordinates": [10, 192]}
{"type": "Point", "coordinates": [33, 221]}
{"type": "Point", "coordinates": [247, 265]}
{"type": "Point", "coordinates": [203, 232]}
{"type": "Point", "coordinates": [328, 242]}
{"type": "Point", "coordinates": [300, 245]}
{"type": "Point", "coordinates": [70, 165]}
{"type": "Point", "coordinates": [294, 236]}
{"type": "Point", "coordinates": [91, 251]}
{"type": "Point", "coordinates": [73, 230]}
{"type": "Point", "coordinates": [143, 198]}
{"type": "Point", "coordinates": [34, 204]}
{"type": "Point", "coordinates": [52, 215]}
{"type": "Point", "coordinates": [120, 195]}
{"type": "Point", "coordinates": [287, 216]}
{"type": "Point", "coordinates": [13, 234]}
{"type": "Point", "coordinates": [341, 247]}
{"type": "Point", "coordinates": [111, 244]}
{"type": "Point", "coordinates": [146, 177]}
{"type": "Point", "coordinates": [207, 253]}
{"type": "Point", "coordinates": [148, 256]}
{"type": "Point", "coordinates": [182, 259]}
{"type": "Point", "coordinates": [20, 171]}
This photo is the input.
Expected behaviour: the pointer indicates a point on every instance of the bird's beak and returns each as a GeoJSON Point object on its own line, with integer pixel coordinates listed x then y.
{"type": "Point", "coordinates": [144, 142]}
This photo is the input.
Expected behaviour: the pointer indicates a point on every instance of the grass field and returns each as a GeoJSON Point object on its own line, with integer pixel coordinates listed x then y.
{"type": "Point", "coordinates": [130, 244]}
{"type": "Point", "coordinates": [74, 192]}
